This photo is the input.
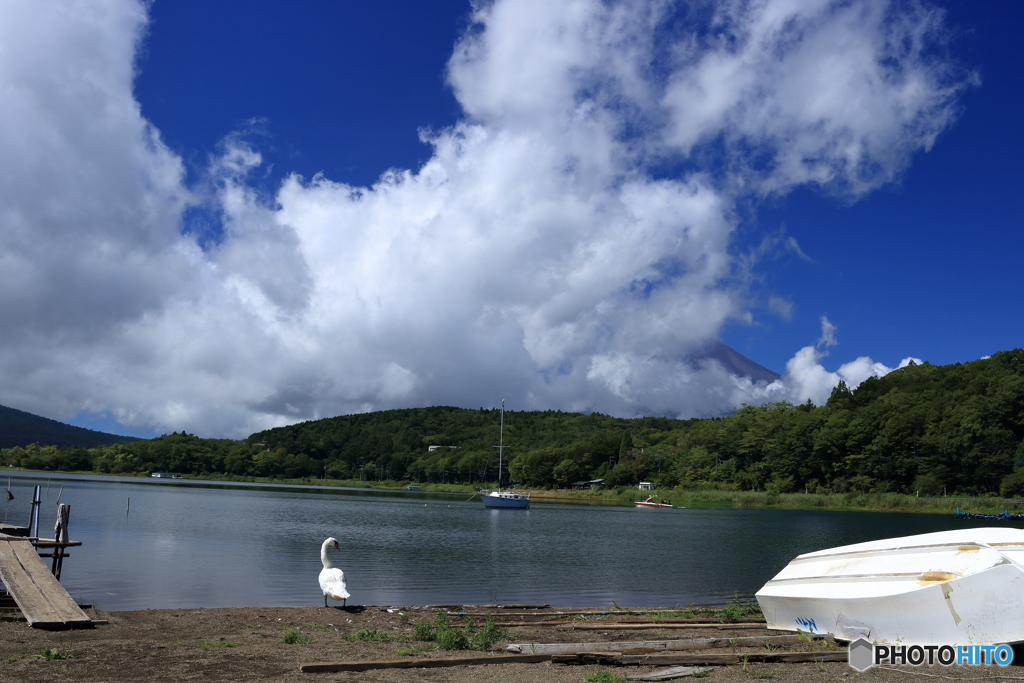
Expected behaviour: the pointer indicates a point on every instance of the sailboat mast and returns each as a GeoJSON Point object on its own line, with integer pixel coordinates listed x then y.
{"type": "Point", "coordinates": [501, 441]}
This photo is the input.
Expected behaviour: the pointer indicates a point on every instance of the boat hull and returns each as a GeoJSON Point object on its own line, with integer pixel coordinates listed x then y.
{"type": "Point", "coordinates": [642, 504]}
{"type": "Point", "coordinates": [506, 500]}
{"type": "Point", "coordinates": [961, 587]}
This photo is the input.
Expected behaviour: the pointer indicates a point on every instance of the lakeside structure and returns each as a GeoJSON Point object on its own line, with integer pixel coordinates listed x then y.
{"type": "Point", "coordinates": [34, 589]}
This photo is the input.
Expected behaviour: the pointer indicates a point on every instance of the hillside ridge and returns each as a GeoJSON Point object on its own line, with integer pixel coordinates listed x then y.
{"type": "Point", "coordinates": [19, 428]}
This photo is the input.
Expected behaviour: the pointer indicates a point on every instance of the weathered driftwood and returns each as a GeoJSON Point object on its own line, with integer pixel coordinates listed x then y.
{"type": "Point", "coordinates": [620, 615]}
{"type": "Point", "coordinates": [462, 608]}
{"type": "Point", "coordinates": [650, 624]}
{"type": "Point", "coordinates": [681, 620]}
{"type": "Point", "coordinates": [696, 659]}
{"type": "Point", "coordinates": [625, 626]}
{"type": "Point", "coordinates": [331, 667]}
{"type": "Point", "coordinates": [655, 645]}
{"type": "Point", "coordinates": [667, 674]}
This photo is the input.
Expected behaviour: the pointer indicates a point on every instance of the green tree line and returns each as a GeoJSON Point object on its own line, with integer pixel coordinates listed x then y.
{"type": "Point", "coordinates": [920, 429]}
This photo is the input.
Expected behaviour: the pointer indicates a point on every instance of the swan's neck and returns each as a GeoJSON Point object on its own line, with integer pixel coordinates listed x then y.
{"type": "Point", "coordinates": [323, 556]}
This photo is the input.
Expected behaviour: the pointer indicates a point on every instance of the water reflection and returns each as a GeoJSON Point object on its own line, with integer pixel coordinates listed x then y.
{"type": "Point", "coordinates": [217, 545]}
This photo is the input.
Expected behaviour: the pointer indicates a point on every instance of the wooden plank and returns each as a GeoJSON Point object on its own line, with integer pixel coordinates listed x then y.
{"type": "Point", "coordinates": [19, 584]}
{"type": "Point", "coordinates": [695, 659]}
{"type": "Point", "coordinates": [618, 626]}
{"type": "Point", "coordinates": [331, 667]}
{"type": "Point", "coordinates": [670, 620]}
{"type": "Point", "coordinates": [60, 602]}
{"type": "Point", "coordinates": [667, 674]}
{"type": "Point", "coordinates": [552, 617]}
{"type": "Point", "coordinates": [462, 608]}
{"type": "Point", "coordinates": [597, 625]}
{"type": "Point", "coordinates": [41, 599]}
{"type": "Point", "coordinates": [13, 530]}
{"type": "Point", "coordinates": [50, 543]}
{"type": "Point", "coordinates": [688, 644]}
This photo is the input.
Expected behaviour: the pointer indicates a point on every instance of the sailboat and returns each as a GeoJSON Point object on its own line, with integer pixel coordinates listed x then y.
{"type": "Point", "coordinates": [499, 498]}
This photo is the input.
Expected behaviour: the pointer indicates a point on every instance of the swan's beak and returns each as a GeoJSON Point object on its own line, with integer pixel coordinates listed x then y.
{"type": "Point", "coordinates": [337, 546]}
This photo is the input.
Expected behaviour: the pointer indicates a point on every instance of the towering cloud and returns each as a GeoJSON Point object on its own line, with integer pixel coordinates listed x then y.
{"type": "Point", "coordinates": [568, 245]}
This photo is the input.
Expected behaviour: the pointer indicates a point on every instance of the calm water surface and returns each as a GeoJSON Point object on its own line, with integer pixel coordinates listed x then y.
{"type": "Point", "coordinates": [185, 544]}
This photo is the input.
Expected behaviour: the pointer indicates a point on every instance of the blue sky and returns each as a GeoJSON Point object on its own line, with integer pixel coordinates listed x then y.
{"type": "Point", "coordinates": [342, 88]}
{"type": "Point", "coordinates": [580, 199]}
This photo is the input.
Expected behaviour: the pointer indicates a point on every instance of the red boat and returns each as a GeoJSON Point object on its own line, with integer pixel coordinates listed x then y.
{"type": "Point", "coordinates": [652, 504]}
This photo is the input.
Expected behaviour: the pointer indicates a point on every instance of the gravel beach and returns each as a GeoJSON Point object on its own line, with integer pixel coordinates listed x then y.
{"type": "Point", "coordinates": [241, 644]}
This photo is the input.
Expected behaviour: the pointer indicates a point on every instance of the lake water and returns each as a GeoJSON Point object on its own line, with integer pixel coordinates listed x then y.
{"type": "Point", "coordinates": [194, 544]}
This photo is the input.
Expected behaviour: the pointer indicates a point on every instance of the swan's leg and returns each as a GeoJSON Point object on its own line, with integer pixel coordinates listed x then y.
{"type": "Point", "coordinates": [344, 602]}
{"type": "Point", "coordinates": [325, 600]}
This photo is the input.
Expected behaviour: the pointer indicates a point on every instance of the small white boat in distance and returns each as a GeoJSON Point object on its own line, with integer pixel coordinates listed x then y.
{"type": "Point", "coordinates": [962, 587]}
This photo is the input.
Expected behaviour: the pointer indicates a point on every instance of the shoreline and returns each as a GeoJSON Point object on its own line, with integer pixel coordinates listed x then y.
{"type": "Point", "coordinates": [626, 496]}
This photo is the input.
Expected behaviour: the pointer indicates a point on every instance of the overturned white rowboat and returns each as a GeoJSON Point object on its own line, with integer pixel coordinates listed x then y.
{"type": "Point", "coordinates": [961, 587]}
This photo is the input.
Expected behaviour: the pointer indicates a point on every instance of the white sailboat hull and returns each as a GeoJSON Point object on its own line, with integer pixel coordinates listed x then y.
{"type": "Point", "coordinates": [505, 499]}
{"type": "Point", "coordinates": [953, 587]}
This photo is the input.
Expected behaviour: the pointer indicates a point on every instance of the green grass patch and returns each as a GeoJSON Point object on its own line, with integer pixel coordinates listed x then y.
{"type": "Point", "coordinates": [50, 653]}
{"type": "Point", "coordinates": [603, 676]}
{"type": "Point", "coordinates": [219, 643]}
{"type": "Point", "coordinates": [449, 637]}
{"type": "Point", "coordinates": [739, 609]}
{"type": "Point", "coordinates": [296, 637]}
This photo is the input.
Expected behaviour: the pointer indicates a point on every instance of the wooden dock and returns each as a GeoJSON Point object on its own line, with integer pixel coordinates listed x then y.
{"type": "Point", "coordinates": [39, 596]}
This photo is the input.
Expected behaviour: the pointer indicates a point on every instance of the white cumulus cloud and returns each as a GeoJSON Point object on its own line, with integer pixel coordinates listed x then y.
{"type": "Point", "coordinates": [536, 256]}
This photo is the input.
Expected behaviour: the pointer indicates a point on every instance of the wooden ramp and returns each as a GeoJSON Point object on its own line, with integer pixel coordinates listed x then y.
{"type": "Point", "coordinates": [39, 596]}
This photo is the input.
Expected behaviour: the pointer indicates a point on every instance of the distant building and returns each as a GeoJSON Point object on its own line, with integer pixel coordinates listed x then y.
{"type": "Point", "coordinates": [586, 485]}
{"type": "Point", "coordinates": [647, 485]}
{"type": "Point", "coordinates": [431, 449]}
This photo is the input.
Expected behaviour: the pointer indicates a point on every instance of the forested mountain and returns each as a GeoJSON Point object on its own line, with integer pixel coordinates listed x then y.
{"type": "Point", "coordinates": [922, 428]}
{"type": "Point", "coordinates": [18, 428]}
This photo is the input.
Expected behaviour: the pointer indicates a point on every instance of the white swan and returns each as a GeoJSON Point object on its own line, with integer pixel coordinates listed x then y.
{"type": "Point", "coordinates": [332, 579]}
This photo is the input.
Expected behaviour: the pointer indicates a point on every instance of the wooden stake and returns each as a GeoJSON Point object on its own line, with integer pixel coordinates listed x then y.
{"type": "Point", "coordinates": [60, 535]}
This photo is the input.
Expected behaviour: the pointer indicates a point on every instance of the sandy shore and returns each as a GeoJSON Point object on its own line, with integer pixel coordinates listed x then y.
{"type": "Point", "coordinates": [241, 644]}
